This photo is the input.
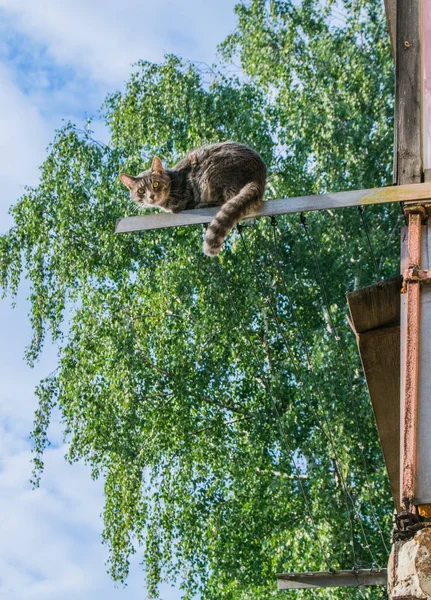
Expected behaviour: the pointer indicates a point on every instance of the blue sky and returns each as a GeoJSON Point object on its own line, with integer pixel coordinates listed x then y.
{"type": "Point", "coordinates": [58, 59]}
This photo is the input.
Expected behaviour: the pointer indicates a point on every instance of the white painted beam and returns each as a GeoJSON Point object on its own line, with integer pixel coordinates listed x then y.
{"type": "Point", "coordinates": [323, 579]}
{"type": "Point", "coordinates": [401, 193]}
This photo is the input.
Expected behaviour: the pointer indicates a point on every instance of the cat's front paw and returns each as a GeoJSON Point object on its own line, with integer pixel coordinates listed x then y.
{"type": "Point", "coordinates": [165, 208]}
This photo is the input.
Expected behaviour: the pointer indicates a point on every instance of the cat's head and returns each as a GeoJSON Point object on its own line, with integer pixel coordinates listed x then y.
{"type": "Point", "coordinates": [150, 188]}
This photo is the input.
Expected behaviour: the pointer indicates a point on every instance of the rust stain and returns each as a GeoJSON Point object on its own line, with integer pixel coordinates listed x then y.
{"type": "Point", "coordinates": [415, 274]}
{"type": "Point", "coordinates": [399, 193]}
{"type": "Point", "coordinates": [408, 471]}
{"type": "Point", "coordinates": [414, 243]}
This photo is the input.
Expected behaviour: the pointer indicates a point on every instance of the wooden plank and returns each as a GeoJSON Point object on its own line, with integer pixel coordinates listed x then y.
{"type": "Point", "coordinates": [405, 193]}
{"type": "Point", "coordinates": [324, 579]}
{"type": "Point", "coordinates": [377, 305]}
{"type": "Point", "coordinates": [380, 355]}
{"type": "Point", "coordinates": [391, 19]}
{"type": "Point", "coordinates": [426, 100]}
{"type": "Point", "coordinates": [408, 92]}
{"type": "Point", "coordinates": [375, 315]}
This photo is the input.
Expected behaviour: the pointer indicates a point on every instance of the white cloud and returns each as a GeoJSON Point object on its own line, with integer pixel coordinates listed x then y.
{"type": "Point", "coordinates": [59, 58]}
{"type": "Point", "coordinates": [24, 137]}
{"type": "Point", "coordinates": [103, 38]}
{"type": "Point", "coordinates": [51, 546]}
{"type": "Point", "coordinates": [51, 536]}
{"type": "Point", "coordinates": [24, 134]}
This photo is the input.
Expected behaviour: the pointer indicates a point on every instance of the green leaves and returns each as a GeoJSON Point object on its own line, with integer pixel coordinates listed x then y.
{"type": "Point", "coordinates": [330, 78]}
{"type": "Point", "coordinates": [211, 396]}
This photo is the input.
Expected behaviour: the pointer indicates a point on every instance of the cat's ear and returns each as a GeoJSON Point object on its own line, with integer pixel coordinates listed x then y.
{"type": "Point", "coordinates": [128, 180]}
{"type": "Point", "coordinates": [156, 166]}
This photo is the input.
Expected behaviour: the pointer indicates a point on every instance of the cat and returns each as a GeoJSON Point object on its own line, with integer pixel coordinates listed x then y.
{"type": "Point", "coordinates": [228, 174]}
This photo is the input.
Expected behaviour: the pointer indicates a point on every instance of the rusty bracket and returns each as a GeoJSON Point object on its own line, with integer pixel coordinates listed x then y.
{"type": "Point", "coordinates": [422, 209]}
{"type": "Point", "coordinates": [416, 275]}
{"type": "Point", "coordinates": [406, 519]}
{"type": "Point", "coordinates": [406, 525]}
{"type": "Point", "coordinates": [409, 533]}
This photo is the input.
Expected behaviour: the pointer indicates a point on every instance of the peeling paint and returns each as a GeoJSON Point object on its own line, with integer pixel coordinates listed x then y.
{"type": "Point", "coordinates": [409, 568]}
{"type": "Point", "coordinates": [399, 193]}
{"type": "Point", "coordinates": [411, 341]}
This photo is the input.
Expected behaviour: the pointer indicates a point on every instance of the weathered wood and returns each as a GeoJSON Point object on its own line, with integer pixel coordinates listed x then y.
{"type": "Point", "coordinates": [377, 305]}
{"type": "Point", "coordinates": [324, 579]}
{"type": "Point", "coordinates": [375, 316]}
{"type": "Point", "coordinates": [391, 19]}
{"type": "Point", "coordinates": [426, 99]}
{"type": "Point", "coordinates": [283, 206]}
{"type": "Point", "coordinates": [380, 355]}
{"type": "Point", "coordinates": [408, 92]}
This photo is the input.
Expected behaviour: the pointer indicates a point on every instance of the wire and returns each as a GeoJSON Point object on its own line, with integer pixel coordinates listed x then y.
{"type": "Point", "coordinates": [274, 407]}
{"type": "Point", "coordinates": [370, 246]}
{"type": "Point", "coordinates": [347, 367]}
{"type": "Point", "coordinates": [327, 435]}
{"type": "Point", "coordinates": [406, 221]}
{"type": "Point", "coordinates": [309, 359]}
{"type": "Point", "coordinates": [389, 237]}
{"type": "Point", "coordinates": [320, 398]}
{"type": "Point", "coordinates": [304, 341]}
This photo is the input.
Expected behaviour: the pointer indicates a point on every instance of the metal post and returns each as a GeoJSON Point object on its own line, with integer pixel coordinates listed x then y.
{"type": "Point", "coordinates": [411, 366]}
{"type": "Point", "coordinates": [409, 568]}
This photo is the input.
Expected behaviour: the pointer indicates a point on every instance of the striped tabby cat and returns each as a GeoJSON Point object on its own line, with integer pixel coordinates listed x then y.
{"type": "Point", "coordinates": [229, 175]}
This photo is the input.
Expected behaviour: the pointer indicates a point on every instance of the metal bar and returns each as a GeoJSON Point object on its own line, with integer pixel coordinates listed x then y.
{"type": "Point", "coordinates": [411, 368]}
{"type": "Point", "coordinates": [403, 193]}
{"type": "Point", "coordinates": [414, 244]}
{"type": "Point", "coordinates": [324, 579]}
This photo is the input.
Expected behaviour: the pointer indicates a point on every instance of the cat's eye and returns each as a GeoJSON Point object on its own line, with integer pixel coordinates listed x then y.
{"type": "Point", "coordinates": [156, 185]}
{"type": "Point", "coordinates": [141, 192]}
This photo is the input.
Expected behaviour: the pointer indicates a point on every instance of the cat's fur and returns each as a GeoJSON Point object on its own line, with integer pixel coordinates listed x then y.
{"type": "Point", "coordinates": [228, 174]}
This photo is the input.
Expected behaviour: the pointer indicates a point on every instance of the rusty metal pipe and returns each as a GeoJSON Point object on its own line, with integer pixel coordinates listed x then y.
{"type": "Point", "coordinates": [408, 471]}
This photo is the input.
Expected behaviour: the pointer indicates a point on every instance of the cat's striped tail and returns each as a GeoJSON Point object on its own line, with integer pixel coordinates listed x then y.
{"type": "Point", "coordinates": [249, 199]}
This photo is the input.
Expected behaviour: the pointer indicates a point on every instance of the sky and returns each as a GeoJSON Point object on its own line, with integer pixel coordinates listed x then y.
{"type": "Point", "coordinates": [58, 60]}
